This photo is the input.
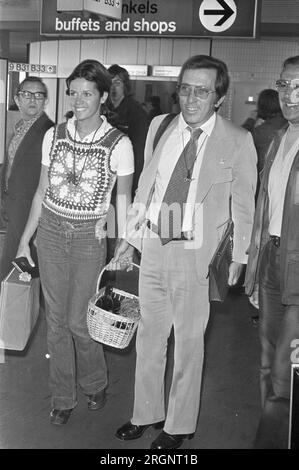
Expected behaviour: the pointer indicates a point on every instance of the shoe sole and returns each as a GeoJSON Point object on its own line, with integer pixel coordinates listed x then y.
{"type": "Point", "coordinates": [94, 407]}
{"type": "Point", "coordinates": [158, 425]}
{"type": "Point", "coordinates": [121, 438]}
{"type": "Point", "coordinates": [57, 422]}
{"type": "Point", "coordinates": [131, 438]}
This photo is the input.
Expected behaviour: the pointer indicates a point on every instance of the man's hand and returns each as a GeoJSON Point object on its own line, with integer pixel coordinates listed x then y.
{"type": "Point", "coordinates": [123, 256]}
{"type": "Point", "coordinates": [254, 298]}
{"type": "Point", "coordinates": [235, 270]}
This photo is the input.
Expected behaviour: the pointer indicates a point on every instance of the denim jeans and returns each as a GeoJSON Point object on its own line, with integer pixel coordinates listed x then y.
{"type": "Point", "coordinates": [70, 259]}
{"type": "Point", "coordinates": [279, 326]}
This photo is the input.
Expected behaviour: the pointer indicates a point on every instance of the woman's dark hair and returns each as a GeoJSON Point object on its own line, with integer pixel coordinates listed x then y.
{"type": "Point", "coordinates": [93, 71]}
{"type": "Point", "coordinates": [268, 104]}
{"type": "Point", "coordinates": [116, 70]}
{"type": "Point", "coordinates": [31, 79]}
{"type": "Point", "coordinates": [208, 62]}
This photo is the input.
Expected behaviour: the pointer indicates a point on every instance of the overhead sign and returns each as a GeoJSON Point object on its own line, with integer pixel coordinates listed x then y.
{"type": "Point", "coordinates": [165, 71]}
{"type": "Point", "coordinates": [30, 68]}
{"type": "Point", "coordinates": [109, 8]}
{"type": "Point", "coordinates": [155, 18]}
{"type": "Point", "coordinates": [217, 15]}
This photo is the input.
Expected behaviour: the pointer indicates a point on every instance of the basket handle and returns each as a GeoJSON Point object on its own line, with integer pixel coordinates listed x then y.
{"type": "Point", "coordinates": [104, 269]}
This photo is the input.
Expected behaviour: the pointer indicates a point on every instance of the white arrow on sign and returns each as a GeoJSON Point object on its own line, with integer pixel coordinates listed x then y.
{"type": "Point", "coordinates": [217, 15]}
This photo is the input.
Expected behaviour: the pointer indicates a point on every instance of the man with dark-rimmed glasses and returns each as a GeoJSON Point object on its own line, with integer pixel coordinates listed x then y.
{"type": "Point", "coordinates": [22, 166]}
{"type": "Point", "coordinates": [272, 277]}
{"type": "Point", "coordinates": [181, 209]}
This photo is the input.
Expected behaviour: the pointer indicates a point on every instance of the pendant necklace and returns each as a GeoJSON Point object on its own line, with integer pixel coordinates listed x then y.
{"type": "Point", "coordinates": [72, 177]}
{"type": "Point", "coordinates": [188, 178]}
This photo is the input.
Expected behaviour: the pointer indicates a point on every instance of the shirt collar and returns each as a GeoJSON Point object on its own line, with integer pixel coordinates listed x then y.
{"type": "Point", "coordinates": [207, 127]}
{"type": "Point", "coordinates": [23, 125]}
{"type": "Point", "coordinates": [71, 126]}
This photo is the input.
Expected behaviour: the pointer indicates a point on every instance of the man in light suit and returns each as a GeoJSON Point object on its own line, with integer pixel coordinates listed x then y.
{"type": "Point", "coordinates": [173, 285]}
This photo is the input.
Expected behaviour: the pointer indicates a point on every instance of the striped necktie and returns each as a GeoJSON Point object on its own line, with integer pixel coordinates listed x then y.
{"type": "Point", "coordinates": [170, 219]}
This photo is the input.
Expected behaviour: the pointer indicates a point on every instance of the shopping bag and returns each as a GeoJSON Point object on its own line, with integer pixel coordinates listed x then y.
{"type": "Point", "coordinates": [219, 266]}
{"type": "Point", "coordinates": [19, 309]}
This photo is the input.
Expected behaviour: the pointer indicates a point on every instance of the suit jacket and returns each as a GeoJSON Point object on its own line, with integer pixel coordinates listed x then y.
{"type": "Point", "coordinates": [289, 243]}
{"type": "Point", "coordinates": [228, 169]}
{"type": "Point", "coordinates": [26, 167]}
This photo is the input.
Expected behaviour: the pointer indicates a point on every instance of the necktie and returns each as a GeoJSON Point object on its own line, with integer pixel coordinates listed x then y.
{"type": "Point", "coordinates": [170, 217]}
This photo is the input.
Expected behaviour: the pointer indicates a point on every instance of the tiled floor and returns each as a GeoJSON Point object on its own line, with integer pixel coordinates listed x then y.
{"type": "Point", "coordinates": [230, 394]}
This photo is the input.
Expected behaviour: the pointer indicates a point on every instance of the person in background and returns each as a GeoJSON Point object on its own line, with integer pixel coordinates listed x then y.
{"type": "Point", "coordinates": [126, 114]}
{"type": "Point", "coordinates": [175, 105]}
{"type": "Point", "coordinates": [83, 158]}
{"type": "Point", "coordinates": [22, 165]}
{"type": "Point", "coordinates": [155, 109]}
{"type": "Point", "coordinates": [205, 165]}
{"type": "Point", "coordinates": [272, 275]}
{"type": "Point", "coordinates": [264, 123]}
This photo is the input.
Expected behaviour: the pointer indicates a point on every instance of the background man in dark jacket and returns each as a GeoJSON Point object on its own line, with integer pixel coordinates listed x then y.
{"type": "Point", "coordinates": [268, 120]}
{"type": "Point", "coordinates": [125, 113]}
{"type": "Point", "coordinates": [22, 166]}
{"type": "Point", "coordinates": [272, 275]}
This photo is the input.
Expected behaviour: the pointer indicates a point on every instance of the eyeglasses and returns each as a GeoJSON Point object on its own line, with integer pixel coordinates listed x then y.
{"type": "Point", "coordinates": [28, 95]}
{"type": "Point", "coordinates": [199, 91]}
{"type": "Point", "coordinates": [283, 85]}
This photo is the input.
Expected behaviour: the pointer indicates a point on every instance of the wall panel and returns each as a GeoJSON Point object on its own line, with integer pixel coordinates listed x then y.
{"type": "Point", "coordinates": [141, 51]}
{"type": "Point", "coordinates": [49, 55]}
{"type": "Point", "coordinates": [166, 50]}
{"type": "Point", "coordinates": [153, 48]}
{"type": "Point", "coordinates": [94, 49]}
{"type": "Point", "coordinates": [181, 51]}
{"type": "Point", "coordinates": [122, 51]}
{"type": "Point", "coordinates": [200, 46]}
{"type": "Point", "coordinates": [68, 56]}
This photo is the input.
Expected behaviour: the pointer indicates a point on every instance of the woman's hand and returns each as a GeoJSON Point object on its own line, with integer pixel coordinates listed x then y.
{"type": "Point", "coordinates": [123, 256]}
{"type": "Point", "coordinates": [24, 250]}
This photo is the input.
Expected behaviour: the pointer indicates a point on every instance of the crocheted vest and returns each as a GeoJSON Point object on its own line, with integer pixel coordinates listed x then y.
{"type": "Point", "coordinates": [90, 198]}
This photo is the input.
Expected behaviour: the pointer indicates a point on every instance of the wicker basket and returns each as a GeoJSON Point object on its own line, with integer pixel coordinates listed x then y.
{"type": "Point", "coordinates": [107, 327]}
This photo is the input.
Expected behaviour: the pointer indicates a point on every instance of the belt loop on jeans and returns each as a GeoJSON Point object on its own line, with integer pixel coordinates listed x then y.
{"type": "Point", "coordinates": [275, 240]}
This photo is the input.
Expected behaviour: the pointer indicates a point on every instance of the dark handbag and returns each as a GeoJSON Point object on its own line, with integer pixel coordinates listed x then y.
{"type": "Point", "coordinates": [219, 266]}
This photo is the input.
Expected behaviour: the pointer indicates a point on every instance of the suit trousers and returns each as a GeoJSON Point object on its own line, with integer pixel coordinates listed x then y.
{"type": "Point", "coordinates": [171, 295]}
{"type": "Point", "coordinates": [279, 326]}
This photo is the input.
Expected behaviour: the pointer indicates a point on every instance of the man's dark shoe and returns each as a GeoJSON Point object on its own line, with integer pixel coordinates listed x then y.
{"type": "Point", "coordinates": [97, 400]}
{"type": "Point", "coordinates": [169, 441]}
{"type": "Point", "coordinates": [60, 417]}
{"type": "Point", "coordinates": [131, 431]}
